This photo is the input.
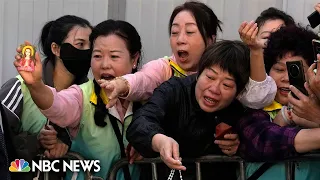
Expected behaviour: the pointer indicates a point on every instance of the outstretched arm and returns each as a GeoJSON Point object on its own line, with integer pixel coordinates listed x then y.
{"type": "Point", "coordinates": [261, 89]}
{"type": "Point", "coordinates": [262, 140]}
{"type": "Point", "coordinates": [146, 133]}
{"type": "Point", "coordinates": [55, 106]}
{"type": "Point", "coordinates": [140, 85]}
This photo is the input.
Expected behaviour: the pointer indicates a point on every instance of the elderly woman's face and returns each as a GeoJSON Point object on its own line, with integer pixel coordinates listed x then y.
{"type": "Point", "coordinates": [279, 73]}
{"type": "Point", "coordinates": [215, 89]}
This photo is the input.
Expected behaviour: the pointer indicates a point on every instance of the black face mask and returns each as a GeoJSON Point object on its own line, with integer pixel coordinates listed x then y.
{"type": "Point", "coordinates": [75, 60]}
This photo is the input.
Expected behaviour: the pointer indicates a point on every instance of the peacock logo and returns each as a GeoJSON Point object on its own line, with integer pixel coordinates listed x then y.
{"type": "Point", "coordinates": [19, 165]}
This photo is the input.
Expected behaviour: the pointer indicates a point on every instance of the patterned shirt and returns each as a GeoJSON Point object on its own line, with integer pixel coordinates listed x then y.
{"type": "Point", "coordinates": [262, 140]}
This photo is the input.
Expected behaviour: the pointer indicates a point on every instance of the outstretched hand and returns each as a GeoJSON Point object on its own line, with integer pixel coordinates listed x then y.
{"type": "Point", "coordinates": [114, 89]}
{"type": "Point", "coordinates": [169, 151]}
{"type": "Point", "coordinates": [248, 33]}
{"type": "Point", "coordinates": [33, 77]}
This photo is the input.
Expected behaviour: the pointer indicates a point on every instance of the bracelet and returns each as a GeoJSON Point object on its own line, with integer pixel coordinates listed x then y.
{"type": "Point", "coordinates": [284, 117]}
{"type": "Point", "coordinates": [126, 84]}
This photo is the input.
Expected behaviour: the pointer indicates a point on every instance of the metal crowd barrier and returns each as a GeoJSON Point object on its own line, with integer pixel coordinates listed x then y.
{"type": "Point", "coordinates": [289, 163]}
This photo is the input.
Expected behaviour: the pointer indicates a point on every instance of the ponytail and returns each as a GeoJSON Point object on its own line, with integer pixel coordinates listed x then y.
{"type": "Point", "coordinates": [44, 43]}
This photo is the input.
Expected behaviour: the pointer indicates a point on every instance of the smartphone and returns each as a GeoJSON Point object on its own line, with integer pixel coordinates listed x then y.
{"type": "Point", "coordinates": [316, 50]}
{"type": "Point", "coordinates": [314, 19]}
{"type": "Point", "coordinates": [296, 76]}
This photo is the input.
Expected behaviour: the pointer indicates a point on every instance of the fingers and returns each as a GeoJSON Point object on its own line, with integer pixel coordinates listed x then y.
{"type": "Point", "coordinates": [247, 27]}
{"type": "Point", "coordinates": [132, 152]}
{"type": "Point", "coordinates": [38, 59]}
{"type": "Point", "coordinates": [248, 33]}
{"type": "Point", "coordinates": [226, 142]}
{"type": "Point", "coordinates": [18, 49]}
{"type": "Point", "coordinates": [167, 157]}
{"type": "Point", "coordinates": [293, 101]}
{"type": "Point", "coordinates": [306, 85]}
{"type": "Point", "coordinates": [251, 31]}
{"type": "Point", "coordinates": [62, 149]}
{"type": "Point", "coordinates": [27, 42]}
{"type": "Point", "coordinates": [47, 146]}
{"type": "Point", "coordinates": [242, 26]}
{"type": "Point", "coordinates": [255, 32]}
{"type": "Point", "coordinates": [318, 65]}
{"type": "Point", "coordinates": [228, 152]}
{"type": "Point", "coordinates": [103, 83]}
{"type": "Point", "coordinates": [175, 151]}
{"type": "Point", "coordinates": [48, 133]}
{"type": "Point", "coordinates": [47, 154]}
{"type": "Point", "coordinates": [229, 145]}
{"type": "Point", "coordinates": [48, 137]}
{"type": "Point", "coordinates": [310, 73]}
{"type": "Point", "coordinates": [111, 103]}
{"type": "Point", "coordinates": [296, 91]}
{"type": "Point", "coordinates": [59, 151]}
{"type": "Point", "coordinates": [16, 64]}
{"type": "Point", "coordinates": [317, 7]}
{"type": "Point", "coordinates": [231, 136]}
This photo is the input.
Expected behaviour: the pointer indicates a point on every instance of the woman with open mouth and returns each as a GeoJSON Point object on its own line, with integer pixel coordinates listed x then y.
{"type": "Point", "coordinates": [98, 133]}
{"type": "Point", "coordinates": [192, 27]}
{"type": "Point", "coordinates": [282, 48]}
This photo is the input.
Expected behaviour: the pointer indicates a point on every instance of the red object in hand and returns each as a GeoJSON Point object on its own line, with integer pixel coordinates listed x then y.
{"type": "Point", "coordinates": [222, 129]}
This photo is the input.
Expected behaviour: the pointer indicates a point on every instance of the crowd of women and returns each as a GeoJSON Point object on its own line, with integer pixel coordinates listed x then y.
{"type": "Point", "coordinates": [171, 106]}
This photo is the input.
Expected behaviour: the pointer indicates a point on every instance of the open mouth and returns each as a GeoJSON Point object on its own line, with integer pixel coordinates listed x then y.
{"type": "Point", "coordinates": [107, 77]}
{"type": "Point", "coordinates": [210, 101]}
{"type": "Point", "coordinates": [284, 90]}
{"type": "Point", "coordinates": [183, 54]}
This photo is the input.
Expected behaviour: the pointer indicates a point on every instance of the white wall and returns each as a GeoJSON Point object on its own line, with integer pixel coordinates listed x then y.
{"type": "Point", "coordinates": [23, 19]}
{"type": "Point", "coordinates": [151, 18]}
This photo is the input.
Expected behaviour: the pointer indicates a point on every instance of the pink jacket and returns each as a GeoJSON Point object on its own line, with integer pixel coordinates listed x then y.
{"type": "Point", "coordinates": [255, 95]}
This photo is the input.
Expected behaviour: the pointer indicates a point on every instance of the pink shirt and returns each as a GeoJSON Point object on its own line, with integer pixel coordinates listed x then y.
{"type": "Point", "coordinates": [142, 84]}
{"type": "Point", "coordinates": [67, 107]}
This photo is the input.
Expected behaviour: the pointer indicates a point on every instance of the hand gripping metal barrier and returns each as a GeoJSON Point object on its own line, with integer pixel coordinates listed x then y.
{"type": "Point", "coordinates": [197, 161]}
{"type": "Point", "coordinates": [289, 164]}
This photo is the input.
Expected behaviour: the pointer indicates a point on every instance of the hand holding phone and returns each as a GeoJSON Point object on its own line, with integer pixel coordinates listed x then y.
{"type": "Point", "coordinates": [316, 51]}
{"type": "Point", "coordinates": [314, 19]}
{"type": "Point", "coordinates": [296, 76]}
{"type": "Point", "coordinates": [222, 129]}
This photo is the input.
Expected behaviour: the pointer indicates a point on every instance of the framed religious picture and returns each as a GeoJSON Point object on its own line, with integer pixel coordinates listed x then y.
{"type": "Point", "coordinates": [27, 60]}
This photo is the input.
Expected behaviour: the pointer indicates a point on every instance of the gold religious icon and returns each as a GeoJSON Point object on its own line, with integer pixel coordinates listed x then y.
{"type": "Point", "coordinates": [27, 61]}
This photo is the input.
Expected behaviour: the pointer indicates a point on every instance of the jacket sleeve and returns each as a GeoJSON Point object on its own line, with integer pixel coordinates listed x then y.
{"type": "Point", "coordinates": [148, 120]}
{"type": "Point", "coordinates": [143, 82]}
{"type": "Point", "coordinates": [24, 144]}
{"type": "Point", "coordinates": [262, 140]}
{"type": "Point", "coordinates": [12, 99]}
{"type": "Point", "coordinates": [258, 95]}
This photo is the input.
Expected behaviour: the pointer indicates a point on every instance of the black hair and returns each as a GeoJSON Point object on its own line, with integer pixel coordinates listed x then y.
{"type": "Point", "coordinates": [274, 14]}
{"type": "Point", "coordinates": [132, 38]}
{"type": "Point", "coordinates": [57, 31]}
{"type": "Point", "coordinates": [122, 29]}
{"type": "Point", "coordinates": [207, 22]}
{"type": "Point", "coordinates": [232, 56]}
{"type": "Point", "coordinates": [291, 39]}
